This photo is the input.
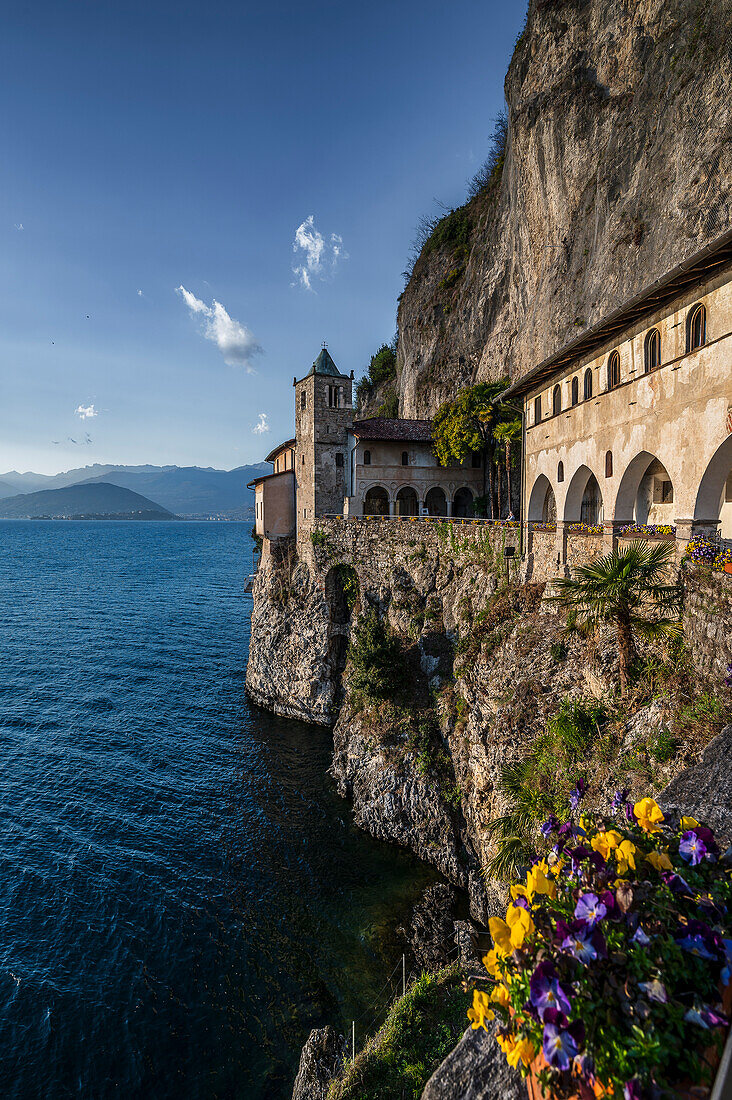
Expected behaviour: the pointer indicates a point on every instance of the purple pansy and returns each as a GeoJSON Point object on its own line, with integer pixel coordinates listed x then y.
{"type": "Point", "coordinates": [678, 884]}
{"type": "Point", "coordinates": [549, 826]}
{"type": "Point", "coordinates": [655, 991]}
{"type": "Point", "coordinates": [692, 848]}
{"type": "Point", "coordinates": [522, 902]}
{"type": "Point", "coordinates": [629, 813]}
{"type": "Point", "coordinates": [619, 799]}
{"type": "Point", "coordinates": [695, 945]}
{"type": "Point", "coordinates": [579, 944]}
{"type": "Point", "coordinates": [560, 1044]}
{"type": "Point", "coordinates": [590, 909]}
{"type": "Point", "coordinates": [726, 975]}
{"type": "Point", "coordinates": [640, 937]}
{"type": "Point", "coordinates": [547, 993]}
{"type": "Point", "coordinates": [705, 1016]}
{"type": "Point", "coordinates": [577, 794]}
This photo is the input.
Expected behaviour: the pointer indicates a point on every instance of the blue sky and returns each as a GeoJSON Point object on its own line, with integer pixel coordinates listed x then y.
{"type": "Point", "coordinates": [159, 158]}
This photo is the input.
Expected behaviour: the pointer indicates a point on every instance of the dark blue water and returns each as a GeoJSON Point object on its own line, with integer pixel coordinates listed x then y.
{"type": "Point", "coordinates": [182, 896]}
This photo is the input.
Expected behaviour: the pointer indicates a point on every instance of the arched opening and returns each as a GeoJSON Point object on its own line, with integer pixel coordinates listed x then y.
{"type": "Point", "coordinates": [696, 327]}
{"type": "Point", "coordinates": [560, 472]}
{"type": "Point", "coordinates": [575, 391]}
{"type": "Point", "coordinates": [367, 458]}
{"type": "Point", "coordinates": [714, 499]}
{"type": "Point", "coordinates": [583, 502]}
{"type": "Point", "coordinates": [542, 502]}
{"type": "Point", "coordinates": [343, 595]}
{"type": "Point", "coordinates": [608, 464]}
{"type": "Point", "coordinates": [613, 371]}
{"type": "Point", "coordinates": [556, 401]}
{"type": "Point", "coordinates": [588, 384]}
{"type": "Point", "coordinates": [652, 351]}
{"type": "Point", "coordinates": [436, 502]}
{"type": "Point", "coordinates": [646, 492]}
{"type": "Point", "coordinates": [376, 502]}
{"type": "Point", "coordinates": [462, 505]}
{"type": "Point", "coordinates": [405, 458]}
{"type": "Point", "coordinates": [407, 503]}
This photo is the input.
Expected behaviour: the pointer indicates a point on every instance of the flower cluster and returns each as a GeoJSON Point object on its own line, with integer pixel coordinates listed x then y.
{"type": "Point", "coordinates": [648, 530]}
{"type": "Point", "coordinates": [701, 550]}
{"type": "Point", "coordinates": [728, 677]}
{"type": "Point", "coordinates": [585, 528]}
{"type": "Point", "coordinates": [723, 558]}
{"type": "Point", "coordinates": [610, 962]}
{"type": "Point", "coordinates": [544, 527]}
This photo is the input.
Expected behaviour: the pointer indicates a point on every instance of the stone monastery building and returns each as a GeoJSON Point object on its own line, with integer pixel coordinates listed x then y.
{"type": "Point", "coordinates": [630, 424]}
{"type": "Point", "coordinates": [337, 465]}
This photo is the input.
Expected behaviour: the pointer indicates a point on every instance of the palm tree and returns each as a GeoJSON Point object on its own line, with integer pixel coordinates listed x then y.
{"type": "Point", "coordinates": [508, 433]}
{"type": "Point", "coordinates": [627, 590]}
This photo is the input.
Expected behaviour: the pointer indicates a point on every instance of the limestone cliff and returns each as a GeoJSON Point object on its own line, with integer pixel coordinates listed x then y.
{"type": "Point", "coordinates": [618, 166]}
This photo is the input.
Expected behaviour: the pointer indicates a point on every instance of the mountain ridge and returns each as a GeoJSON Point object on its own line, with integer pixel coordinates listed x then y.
{"type": "Point", "coordinates": [97, 500]}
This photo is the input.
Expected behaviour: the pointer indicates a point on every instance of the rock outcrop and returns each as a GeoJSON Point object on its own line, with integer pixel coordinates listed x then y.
{"type": "Point", "coordinates": [431, 934]}
{"type": "Point", "coordinates": [475, 1070]}
{"type": "Point", "coordinates": [618, 166]}
{"type": "Point", "coordinates": [705, 790]}
{"type": "Point", "coordinates": [321, 1060]}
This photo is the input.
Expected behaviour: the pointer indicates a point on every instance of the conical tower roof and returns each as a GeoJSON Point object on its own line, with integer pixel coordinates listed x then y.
{"type": "Point", "coordinates": [325, 365]}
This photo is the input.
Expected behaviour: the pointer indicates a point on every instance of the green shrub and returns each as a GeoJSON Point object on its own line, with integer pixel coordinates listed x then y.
{"type": "Point", "coordinates": [390, 407]}
{"type": "Point", "coordinates": [377, 662]}
{"type": "Point", "coordinates": [453, 231]}
{"type": "Point", "coordinates": [319, 538]}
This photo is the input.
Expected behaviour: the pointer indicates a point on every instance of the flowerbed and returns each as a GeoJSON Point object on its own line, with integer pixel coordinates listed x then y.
{"type": "Point", "coordinates": [543, 527]}
{"type": "Point", "coordinates": [585, 529]}
{"type": "Point", "coordinates": [705, 551]}
{"type": "Point", "coordinates": [648, 531]}
{"type": "Point", "coordinates": [607, 970]}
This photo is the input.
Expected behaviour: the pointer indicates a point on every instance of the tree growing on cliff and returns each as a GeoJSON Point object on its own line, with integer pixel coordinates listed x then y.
{"type": "Point", "coordinates": [381, 369]}
{"type": "Point", "coordinates": [377, 662]}
{"type": "Point", "coordinates": [465, 426]}
{"type": "Point", "coordinates": [627, 591]}
{"type": "Point", "coordinates": [505, 435]}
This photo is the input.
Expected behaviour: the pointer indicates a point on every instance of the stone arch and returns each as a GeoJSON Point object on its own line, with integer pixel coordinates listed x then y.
{"type": "Point", "coordinates": [714, 498]}
{"type": "Point", "coordinates": [462, 504]}
{"type": "Point", "coordinates": [376, 501]}
{"type": "Point", "coordinates": [640, 499]}
{"type": "Point", "coordinates": [542, 502]}
{"type": "Point", "coordinates": [407, 502]}
{"type": "Point", "coordinates": [583, 502]}
{"type": "Point", "coordinates": [435, 502]}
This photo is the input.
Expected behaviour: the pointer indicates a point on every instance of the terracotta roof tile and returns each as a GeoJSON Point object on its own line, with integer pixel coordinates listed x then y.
{"type": "Point", "coordinates": [379, 427]}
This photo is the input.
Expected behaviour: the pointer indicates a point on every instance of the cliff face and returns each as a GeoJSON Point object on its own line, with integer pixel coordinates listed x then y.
{"type": "Point", "coordinates": [618, 166]}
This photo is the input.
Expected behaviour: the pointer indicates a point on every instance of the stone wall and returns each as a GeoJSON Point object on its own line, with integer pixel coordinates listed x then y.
{"type": "Point", "coordinates": [708, 620]}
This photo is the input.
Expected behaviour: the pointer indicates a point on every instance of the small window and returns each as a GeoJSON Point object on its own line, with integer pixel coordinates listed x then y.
{"type": "Point", "coordinates": [537, 409]}
{"type": "Point", "coordinates": [588, 384]}
{"type": "Point", "coordinates": [405, 458]}
{"type": "Point", "coordinates": [696, 328]}
{"type": "Point", "coordinates": [560, 472]}
{"type": "Point", "coordinates": [652, 351]}
{"type": "Point", "coordinates": [303, 460]}
{"type": "Point", "coordinates": [367, 458]}
{"type": "Point", "coordinates": [575, 391]}
{"type": "Point", "coordinates": [556, 401]}
{"type": "Point", "coordinates": [613, 371]}
{"type": "Point", "coordinates": [475, 462]}
{"type": "Point", "coordinates": [609, 464]}
{"type": "Point", "coordinates": [303, 399]}
{"type": "Point", "coordinates": [663, 491]}
{"type": "Point", "coordinates": [339, 460]}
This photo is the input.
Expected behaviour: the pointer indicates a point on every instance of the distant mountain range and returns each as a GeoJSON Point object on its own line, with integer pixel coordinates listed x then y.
{"type": "Point", "coordinates": [92, 500]}
{"type": "Point", "coordinates": [185, 490]}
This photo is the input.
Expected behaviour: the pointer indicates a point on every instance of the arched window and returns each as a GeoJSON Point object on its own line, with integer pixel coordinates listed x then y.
{"type": "Point", "coordinates": [608, 464]}
{"type": "Point", "coordinates": [405, 458]}
{"type": "Point", "coordinates": [537, 409]}
{"type": "Point", "coordinates": [560, 472]}
{"type": "Point", "coordinates": [613, 371]}
{"type": "Point", "coordinates": [588, 384]}
{"type": "Point", "coordinates": [367, 458]}
{"type": "Point", "coordinates": [696, 328]}
{"type": "Point", "coordinates": [575, 391]}
{"type": "Point", "coordinates": [556, 401]}
{"type": "Point", "coordinates": [652, 351]}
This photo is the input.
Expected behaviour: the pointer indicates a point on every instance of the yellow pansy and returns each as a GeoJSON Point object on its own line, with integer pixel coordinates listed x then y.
{"type": "Point", "coordinates": [510, 933]}
{"type": "Point", "coordinates": [648, 815]}
{"type": "Point", "coordinates": [606, 842]}
{"type": "Point", "coordinates": [660, 861]}
{"type": "Point", "coordinates": [481, 1011]}
{"type": "Point", "coordinates": [523, 1051]}
{"type": "Point", "coordinates": [501, 996]}
{"type": "Point", "coordinates": [536, 883]}
{"type": "Point", "coordinates": [490, 962]}
{"type": "Point", "coordinates": [501, 935]}
{"type": "Point", "coordinates": [688, 823]}
{"type": "Point", "coordinates": [625, 855]}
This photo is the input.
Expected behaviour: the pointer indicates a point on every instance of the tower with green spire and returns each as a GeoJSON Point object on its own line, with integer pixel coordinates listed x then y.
{"type": "Point", "coordinates": [323, 421]}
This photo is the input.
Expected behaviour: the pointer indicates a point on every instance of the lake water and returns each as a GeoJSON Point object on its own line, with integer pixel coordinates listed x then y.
{"type": "Point", "coordinates": [182, 895]}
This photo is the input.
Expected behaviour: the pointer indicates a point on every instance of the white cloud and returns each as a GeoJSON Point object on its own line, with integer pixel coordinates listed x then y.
{"type": "Point", "coordinates": [262, 424]}
{"type": "Point", "coordinates": [19, 226]}
{"type": "Point", "coordinates": [86, 412]}
{"type": "Point", "coordinates": [139, 294]}
{"type": "Point", "coordinates": [234, 340]}
{"type": "Point", "coordinates": [318, 256]}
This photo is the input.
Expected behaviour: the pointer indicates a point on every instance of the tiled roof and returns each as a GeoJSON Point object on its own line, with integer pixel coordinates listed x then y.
{"type": "Point", "coordinates": [280, 447]}
{"type": "Point", "coordinates": [379, 427]}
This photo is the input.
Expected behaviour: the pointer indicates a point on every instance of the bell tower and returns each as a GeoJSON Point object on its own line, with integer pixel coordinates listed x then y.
{"type": "Point", "coordinates": [323, 421]}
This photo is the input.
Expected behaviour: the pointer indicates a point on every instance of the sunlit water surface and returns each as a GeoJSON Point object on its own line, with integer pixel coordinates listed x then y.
{"type": "Point", "coordinates": [182, 895]}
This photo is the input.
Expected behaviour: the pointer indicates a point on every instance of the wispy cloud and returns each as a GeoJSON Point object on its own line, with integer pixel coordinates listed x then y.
{"type": "Point", "coordinates": [140, 294]}
{"type": "Point", "coordinates": [317, 255]}
{"type": "Point", "coordinates": [19, 226]}
{"type": "Point", "coordinates": [235, 342]}
{"type": "Point", "coordinates": [86, 412]}
{"type": "Point", "coordinates": [262, 424]}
